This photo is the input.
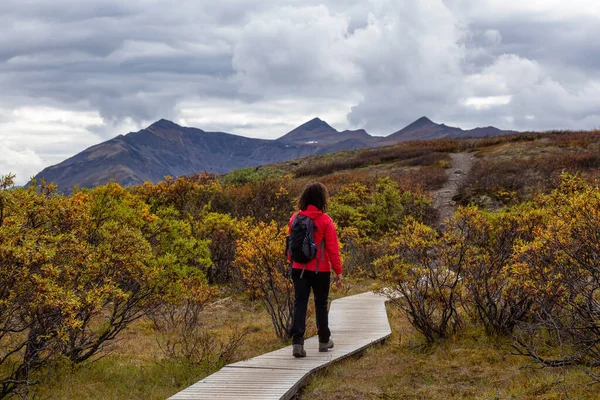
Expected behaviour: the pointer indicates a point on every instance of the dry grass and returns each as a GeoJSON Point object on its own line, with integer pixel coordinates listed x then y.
{"type": "Point", "coordinates": [418, 153]}
{"type": "Point", "coordinates": [512, 168]}
{"type": "Point", "coordinates": [511, 172]}
{"type": "Point", "coordinates": [137, 369]}
{"type": "Point", "coordinates": [470, 366]}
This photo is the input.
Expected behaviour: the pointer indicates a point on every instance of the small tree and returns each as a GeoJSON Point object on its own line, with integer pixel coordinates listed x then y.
{"type": "Point", "coordinates": [28, 307]}
{"type": "Point", "coordinates": [492, 296]}
{"type": "Point", "coordinates": [263, 200]}
{"type": "Point", "coordinates": [264, 271]}
{"type": "Point", "coordinates": [426, 272]}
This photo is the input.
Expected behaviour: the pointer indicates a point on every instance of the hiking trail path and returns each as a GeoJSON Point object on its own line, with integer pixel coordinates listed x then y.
{"type": "Point", "coordinates": [461, 164]}
{"type": "Point", "coordinates": [356, 322]}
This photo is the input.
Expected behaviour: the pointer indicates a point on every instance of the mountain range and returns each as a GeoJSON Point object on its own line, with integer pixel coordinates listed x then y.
{"type": "Point", "coordinates": [165, 148]}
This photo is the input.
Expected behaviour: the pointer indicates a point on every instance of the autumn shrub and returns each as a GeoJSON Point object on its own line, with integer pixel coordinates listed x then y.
{"type": "Point", "coordinates": [265, 271]}
{"type": "Point", "coordinates": [272, 199]}
{"type": "Point", "coordinates": [133, 259]}
{"type": "Point", "coordinates": [421, 180]}
{"type": "Point", "coordinates": [507, 181]}
{"type": "Point", "coordinates": [360, 251]}
{"type": "Point", "coordinates": [520, 177]}
{"type": "Point", "coordinates": [467, 270]}
{"type": "Point", "coordinates": [77, 270]}
{"type": "Point", "coordinates": [409, 152]}
{"type": "Point", "coordinates": [491, 296]}
{"type": "Point", "coordinates": [510, 138]}
{"type": "Point", "coordinates": [222, 232]}
{"type": "Point", "coordinates": [242, 176]}
{"type": "Point", "coordinates": [347, 207]}
{"type": "Point", "coordinates": [368, 220]}
{"type": "Point", "coordinates": [575, 139]}
{"type": "Point", "coordinates": [389, 206]}
{"type": "Point", "coordinates": [27, 333]}
{"type": "Point", "coordinates": [559, 268]}
{"type": "Point", "coordinates": [423, 278]}
{"type": "Point", "coordinates": [328, 167]}
{"type": "Point", "coordinates": [189, 195]}
{"type": "Point", "coordinates": [378, 211]}
{"type": "Point", "coordinates": [338, 180]}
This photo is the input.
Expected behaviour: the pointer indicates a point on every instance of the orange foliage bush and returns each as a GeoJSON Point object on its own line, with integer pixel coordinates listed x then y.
{"type": "Point", "coordinates": [186, 194]}
{"type": "Point", "coordinates": [425, 271]}
{"type": "Point", "coordinates": [265, 271]}
{"type": "Point", "coordinates": [560, 271]}
{"type": "Point", "coordinates": [267, 200]}
{"type": "Point", "coordinates": [472, 261]}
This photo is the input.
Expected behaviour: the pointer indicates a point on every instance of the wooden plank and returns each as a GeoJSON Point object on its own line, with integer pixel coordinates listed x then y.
{"type": "Point", "coordinates": [356, 322]}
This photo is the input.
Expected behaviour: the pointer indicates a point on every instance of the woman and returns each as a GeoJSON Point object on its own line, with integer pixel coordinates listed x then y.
{"type": "Point", "coordinates": [315, 273]}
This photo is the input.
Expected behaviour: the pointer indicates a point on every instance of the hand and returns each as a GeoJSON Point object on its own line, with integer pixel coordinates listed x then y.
{"type": "Point", "coordinates": [338, 280]}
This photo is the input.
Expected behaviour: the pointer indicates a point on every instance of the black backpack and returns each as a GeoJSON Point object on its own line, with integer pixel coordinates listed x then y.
{"type": "Point", "coordinates": [300, 243]}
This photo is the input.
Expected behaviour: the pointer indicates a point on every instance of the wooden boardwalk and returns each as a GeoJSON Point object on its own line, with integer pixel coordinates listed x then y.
{"type": "Point", "coordinates": [356, 322]}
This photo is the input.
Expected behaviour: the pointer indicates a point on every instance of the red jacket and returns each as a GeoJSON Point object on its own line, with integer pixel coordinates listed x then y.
{"type": "Point", "coordinates": [324, 228]}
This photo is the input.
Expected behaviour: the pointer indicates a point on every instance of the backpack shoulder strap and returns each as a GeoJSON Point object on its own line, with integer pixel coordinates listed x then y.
{"type": "Point", "coordinates": [322, 258]}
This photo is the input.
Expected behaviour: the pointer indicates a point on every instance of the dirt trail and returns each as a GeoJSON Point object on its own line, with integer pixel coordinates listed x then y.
{"type": "Point", "coordinates": [457, 173]}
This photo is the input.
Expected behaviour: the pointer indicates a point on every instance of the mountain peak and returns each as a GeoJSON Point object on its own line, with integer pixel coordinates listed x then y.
{"type": "Point", "coordinates": [314, 130]}
{"type": "Point", "coordinates": [419, 125]}
{"type": "Point", "coordinates": [164, 124]}
{"type": "Point", "coordinates": [423, 121]}
{"type": "Point", "coordinates": [315, 124]}
{"type": "Point", "coordinates": [165, 148]}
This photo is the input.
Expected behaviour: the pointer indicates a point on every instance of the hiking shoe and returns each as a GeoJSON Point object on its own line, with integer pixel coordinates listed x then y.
{"type": "Point", "coordinates": [298, 351]}
{"type": "Point", "coordinates": [323, 347]}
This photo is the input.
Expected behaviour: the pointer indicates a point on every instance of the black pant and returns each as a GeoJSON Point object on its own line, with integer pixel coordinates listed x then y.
{"type": "Point", "coordinates": [320, 286]}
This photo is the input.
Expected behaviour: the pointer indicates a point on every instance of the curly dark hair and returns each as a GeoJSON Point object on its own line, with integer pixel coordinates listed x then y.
{"type": "Point", "coordinates": [315, 194]}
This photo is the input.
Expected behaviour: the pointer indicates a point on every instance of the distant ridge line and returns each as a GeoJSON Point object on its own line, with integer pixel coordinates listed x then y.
{"type": "Point", "coordinates": [166, 148]}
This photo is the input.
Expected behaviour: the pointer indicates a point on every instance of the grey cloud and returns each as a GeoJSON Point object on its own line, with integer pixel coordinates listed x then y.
{"type": "Point", "coordinates": [403, 59]}
{"type": "Point", "coordinates": [101, 53]}
{"type": "Point", "coordinates": [564, 42]}
{"type": "Point", "coordinates": [383, 62]}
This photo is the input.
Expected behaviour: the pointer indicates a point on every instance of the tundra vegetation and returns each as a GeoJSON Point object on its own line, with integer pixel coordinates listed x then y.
{"type": "Point", "coordinates": [139, 292]}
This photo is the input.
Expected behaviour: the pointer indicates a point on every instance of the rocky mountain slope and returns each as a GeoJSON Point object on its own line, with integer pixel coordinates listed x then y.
{"type": "Point", "coordinates": [165, 148]}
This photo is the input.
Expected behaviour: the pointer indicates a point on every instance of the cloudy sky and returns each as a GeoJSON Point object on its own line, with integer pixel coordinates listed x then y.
{"type": "Point", "coordinates": [74, 73]}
